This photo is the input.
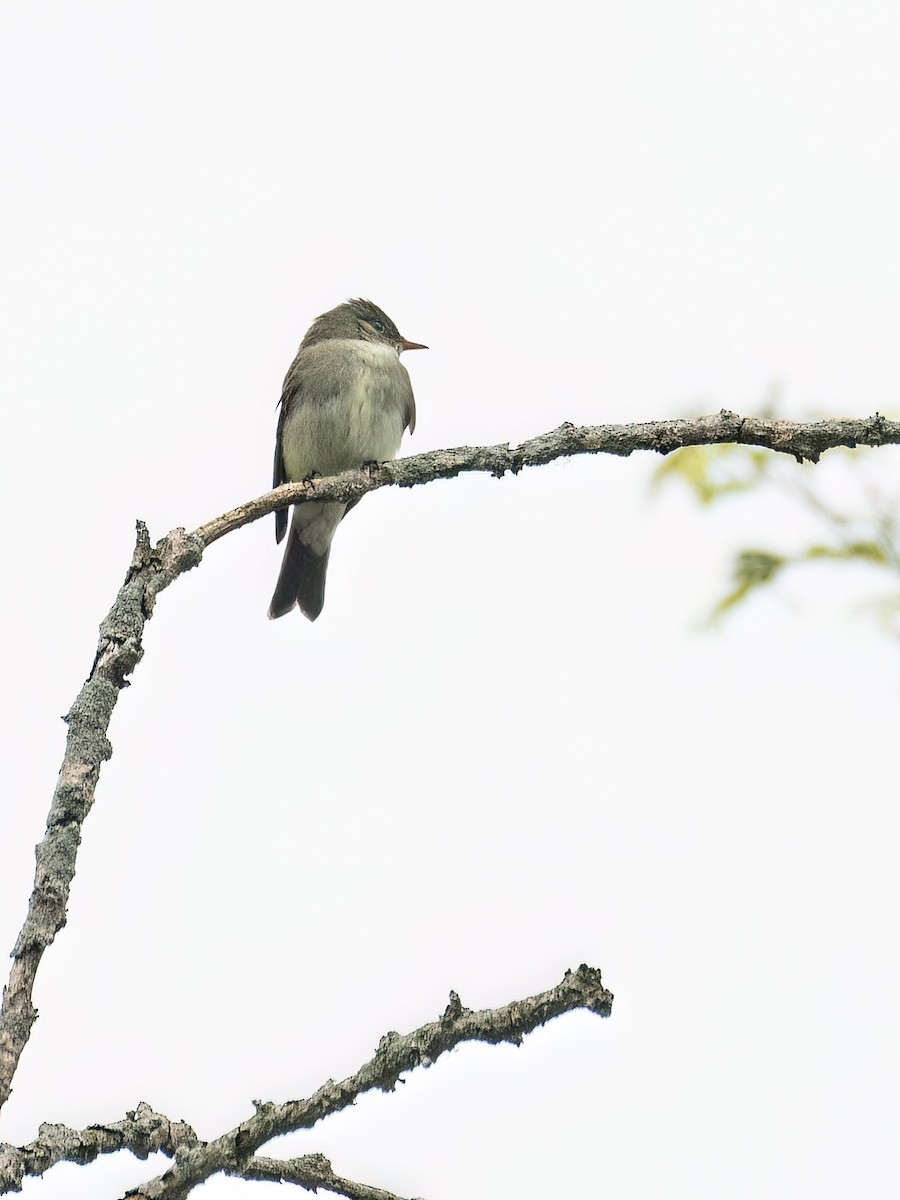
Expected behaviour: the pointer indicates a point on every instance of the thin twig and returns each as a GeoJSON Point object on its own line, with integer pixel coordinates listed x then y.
{"type": "Point", "coordinates": [311, 1171]}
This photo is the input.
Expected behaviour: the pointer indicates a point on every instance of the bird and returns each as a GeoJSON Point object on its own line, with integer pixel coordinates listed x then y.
{"type": "Point", "coordinates": [346, 400]}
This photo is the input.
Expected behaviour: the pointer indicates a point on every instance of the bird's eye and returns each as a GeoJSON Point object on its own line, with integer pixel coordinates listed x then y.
{"type": "Point", "coordinates": [377, 325]}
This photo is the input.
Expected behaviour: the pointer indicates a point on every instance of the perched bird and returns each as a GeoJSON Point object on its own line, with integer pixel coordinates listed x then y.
{"type": "Point", "coordinates": [346, 401]}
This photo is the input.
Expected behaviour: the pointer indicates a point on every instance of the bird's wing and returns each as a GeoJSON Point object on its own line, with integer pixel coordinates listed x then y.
{"type": "Point", "coordinates": [278, 473]}
{"type": "Point", "coordinates": [409, 415]}
{"type": "Point", "coordinates": [291, 391]}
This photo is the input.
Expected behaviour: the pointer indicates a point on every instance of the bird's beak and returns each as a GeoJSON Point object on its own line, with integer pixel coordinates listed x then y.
{"type": "Point", "coordinates": [405, 345]}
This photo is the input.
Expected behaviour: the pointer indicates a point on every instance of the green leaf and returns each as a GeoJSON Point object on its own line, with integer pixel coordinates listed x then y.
{"type": "Point", "coordinates": [752, 569]}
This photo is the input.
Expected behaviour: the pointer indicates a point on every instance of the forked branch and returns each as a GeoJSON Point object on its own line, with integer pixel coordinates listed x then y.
{"type": "Point", "coordinates": [234, 1153]}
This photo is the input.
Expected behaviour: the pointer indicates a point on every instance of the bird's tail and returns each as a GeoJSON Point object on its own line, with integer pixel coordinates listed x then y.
{"type": "Point", "coordinates": [301, 580]}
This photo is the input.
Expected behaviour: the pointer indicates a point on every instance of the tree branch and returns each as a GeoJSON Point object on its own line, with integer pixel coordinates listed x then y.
{"type": "Point", "coordinates": [312, 1171]}
{"type": "Point", "coordinates": [118, 653]}
{"type": "Point", "coordinates": [143, 1132]}
{"type": "Point", "coordinates": [154, 568]}
{"type": "Point", "coordinates": [395, 1054]}
{"type": "Point", "coordinates": [234, 1153]}
{"type": "Point", "coordinates": [805, 441]}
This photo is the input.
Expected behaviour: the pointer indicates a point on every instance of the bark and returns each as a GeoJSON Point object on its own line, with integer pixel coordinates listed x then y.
{"type": "Point", "coordinates": [120, 648]}
{"type": "Point", "coordinates": [234, 1153]}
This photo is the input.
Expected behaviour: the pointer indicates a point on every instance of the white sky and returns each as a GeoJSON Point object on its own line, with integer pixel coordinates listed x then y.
{"type": "Point", "coordinates": [501, 751]}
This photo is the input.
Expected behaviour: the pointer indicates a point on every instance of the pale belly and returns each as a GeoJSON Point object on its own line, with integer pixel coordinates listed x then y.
{"type": "Point", "coordinates": [359, 418]}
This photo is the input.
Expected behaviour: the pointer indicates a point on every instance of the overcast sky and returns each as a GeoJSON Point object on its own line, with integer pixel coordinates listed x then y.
{"type": "Point", "coordinates": [504, 748]}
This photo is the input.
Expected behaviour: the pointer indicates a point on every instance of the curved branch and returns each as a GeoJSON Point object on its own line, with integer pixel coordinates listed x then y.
{"type": "Point", "coordinates": [804, 441]}
{"type": "Point", "coordinates": [118, 652]}
{"type": "Point", "coordinates": [154, 568]}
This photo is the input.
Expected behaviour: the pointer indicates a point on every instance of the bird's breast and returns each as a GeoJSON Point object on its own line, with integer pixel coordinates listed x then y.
{"type": "Point", "coordinates": [350, 408]}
